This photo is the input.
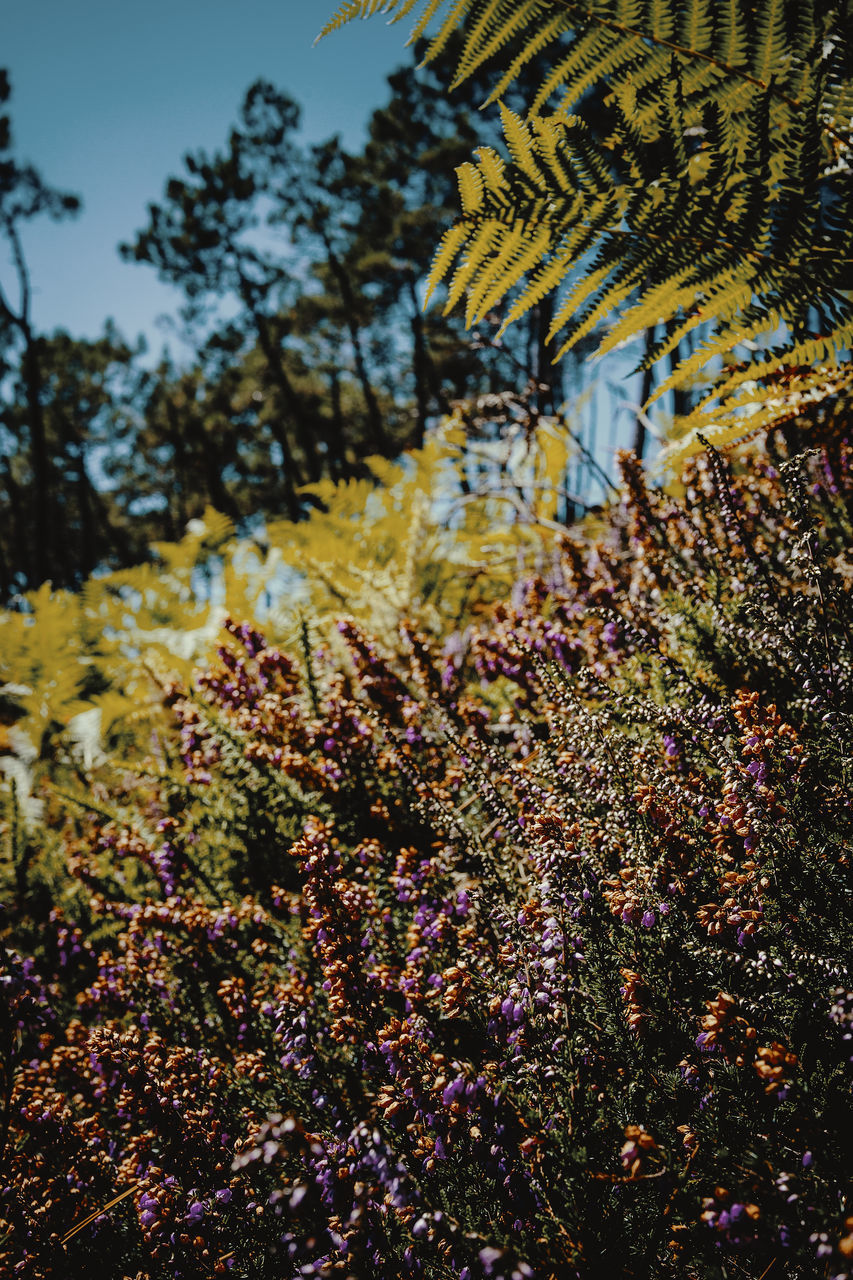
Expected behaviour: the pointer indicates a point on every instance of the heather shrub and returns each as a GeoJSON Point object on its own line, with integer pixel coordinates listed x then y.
{"type": "Point", "coordinates": [521, 951]}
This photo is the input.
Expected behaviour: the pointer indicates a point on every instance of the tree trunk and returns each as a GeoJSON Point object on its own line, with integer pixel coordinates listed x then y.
{"type": "Point", "coordinates": [20, 539]}
{"type": "Point", "coordinates": [278, 374]}
{"type": "Point", "coordinates": [338, 461]}
{"type": "Point", "coordinates": [419, 365]}
{"type": "Point", "coordinates": [545, 370]}
{"type": "Point", "coordinates": [218, 495]}
{"type": "Point", "coordinates": [645, 392]}
{"type": "Point", "coordinates": [178, 513]}
{"type": "Point", "coordinates": [378, 435]}
{"type": "Point", "coordinates": [44, 532]}
{"type": "Point", "coordinates": [680, 397]}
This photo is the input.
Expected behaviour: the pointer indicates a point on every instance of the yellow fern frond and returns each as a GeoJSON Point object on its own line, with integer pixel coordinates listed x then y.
{"type": "Point", "coordinates": [729, 295]}
{"type": "Point", "coordinates": [612, 299]}
{"type": "Point", "coordinates": [576, 297]}
{"type": "Point", "coordinates": [217, 527]}
{"type": "Point", "coordinates": [629, 13]}
{"type": "Point", "coordinates": [741, 417]}
{"type": "Point", "coordinates": [812, 351]}
{"type": "Point", "coordinates": [618, 55]}
{"type": "Point", "coordinates": [493, 29]}
{"type": "Point", "coordinates": [476, 251]}
{"type": "Point", "coordinates": [696, 30]}
{"type": "Point", "coordinates": [519, 142]}
{"type": "Point", "coordinates": [654, 65]}
{"type": "Point", "coordinates": [520, 252]}
{"type": "Point", "coordinates": [662, 16]}
{"type": "Point", "coordinates": [534, 45]}
{"type": "Point", "coordinates": [550, 133]}
{"type": "Point", "coordinates": [491, 283]}
{"type": "Point", "coordinates": [656, 304]}
{"type": "Point", "coordinates": [451, 242]}
{"type": "Point", "coordinates": [361, 9]}
{"type": "Point", "coordinates": [545, 280]}
{"type": "Point", "coordinates": [732, 31]}
{"type": "Point", "coordinates": [492, 169]}
{"type": "Point", "coordinates": [449, 26]}
{"type": "Point", "coordinates": [767, 44]}
{"type": "Point", "coordinates": [470, 181]}
{"type": "Point", "coordinates": [430, 10]}
{"type": "Point", "coordinates": [702, 156]}
{"type": "Point", "coordinates": [589, 50]}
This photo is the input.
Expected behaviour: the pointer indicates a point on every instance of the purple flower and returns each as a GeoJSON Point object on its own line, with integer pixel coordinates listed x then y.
{"type": "Point", "coordinates": [490, 1258]}
{"type": "Point", "coordinates": [452, 1091]}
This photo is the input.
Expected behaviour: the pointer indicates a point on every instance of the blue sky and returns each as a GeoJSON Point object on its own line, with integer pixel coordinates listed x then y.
{"type": "Point", "coordinates": [107, 96]}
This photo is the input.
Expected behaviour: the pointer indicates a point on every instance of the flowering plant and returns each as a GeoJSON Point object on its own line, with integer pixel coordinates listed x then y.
{"type": "Point", "coordinates": [527, 955]}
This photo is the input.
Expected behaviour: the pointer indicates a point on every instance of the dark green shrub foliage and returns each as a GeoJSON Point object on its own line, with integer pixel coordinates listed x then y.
{"type": "Point", "coordinates": [527, 958]}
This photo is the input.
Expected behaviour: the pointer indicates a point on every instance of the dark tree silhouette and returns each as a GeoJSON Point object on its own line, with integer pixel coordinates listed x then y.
{"type": "Point", "coordinates": [24, 195]}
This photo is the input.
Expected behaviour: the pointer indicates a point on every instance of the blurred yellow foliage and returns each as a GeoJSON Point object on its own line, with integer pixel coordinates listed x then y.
{"type": "Point", "coordinates": [419, 540]}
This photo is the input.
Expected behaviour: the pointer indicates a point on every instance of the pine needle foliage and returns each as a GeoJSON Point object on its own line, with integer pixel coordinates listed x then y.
{"type": "Point", "coordinates": [682, 165]}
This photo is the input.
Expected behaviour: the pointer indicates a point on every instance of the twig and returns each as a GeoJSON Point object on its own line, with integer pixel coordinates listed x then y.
{"type": "Point", "coordinates": [98, 1212]}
